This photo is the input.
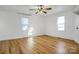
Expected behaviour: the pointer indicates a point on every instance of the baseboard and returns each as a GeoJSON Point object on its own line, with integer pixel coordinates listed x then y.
{"type": "Point", "coordinates": [17, 37]}
{"type": "Point", "coordinates": [60, 37]}
{"type": "Point", "coordinates": [12, 38]}
{"type": "Point", "coordinates": [36, 35]}
{"type": "Point", "coordinates": [77, 41]}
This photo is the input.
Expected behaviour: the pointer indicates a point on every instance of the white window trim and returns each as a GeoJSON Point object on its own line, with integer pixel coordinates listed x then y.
{"type": "Point", "coordinates": [61, 23]}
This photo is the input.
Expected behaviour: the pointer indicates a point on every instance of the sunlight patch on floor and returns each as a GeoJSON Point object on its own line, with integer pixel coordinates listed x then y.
{"type": "Point", "coordinates": [61, 47]}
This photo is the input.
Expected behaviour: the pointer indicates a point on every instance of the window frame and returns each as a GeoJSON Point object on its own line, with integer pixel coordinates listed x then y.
{"type": "Point", "coordinates": [24, 23]}
{"type": "Point", "coordinates": [61, 24]}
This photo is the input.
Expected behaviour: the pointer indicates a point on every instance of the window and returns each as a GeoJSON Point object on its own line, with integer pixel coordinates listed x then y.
{"type": "Point", "coordinates": [61, 23]}
{"type": "Point", "coordinates": [24, 22]}
{"type": "Point", "coordinates": [30, 31]}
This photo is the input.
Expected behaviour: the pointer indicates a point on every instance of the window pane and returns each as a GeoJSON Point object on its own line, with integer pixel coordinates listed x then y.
{"type": "Point", "coordinates": [30, 31]}
{"type": "Point", "coordinates": [61, 29]}
{"type": "Point", "coordinates": [24, 28]}
{"type": "Point", "coordinates": [61, 26]}
{"type": "Point", "coordinates": [24, 21]}
{"type": "Point", "coordinates": [61, 19]}
{"type": "Point", "coordinates": [61, 23]}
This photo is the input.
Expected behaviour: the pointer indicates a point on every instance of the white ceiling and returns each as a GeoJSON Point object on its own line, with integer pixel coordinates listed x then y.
{"type": "Point", "coordinates": [25, 8]}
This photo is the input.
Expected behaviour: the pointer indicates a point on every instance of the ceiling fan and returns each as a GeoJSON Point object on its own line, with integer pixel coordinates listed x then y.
{"type": "Point", "coordinates": [41, 9]}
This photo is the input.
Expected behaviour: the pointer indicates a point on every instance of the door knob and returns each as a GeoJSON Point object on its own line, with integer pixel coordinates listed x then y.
{"type": "Point", "coordinates": [77, 28]}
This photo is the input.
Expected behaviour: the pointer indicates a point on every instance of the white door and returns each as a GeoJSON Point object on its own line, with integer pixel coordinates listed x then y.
{"type": "Point", "coordinates": [77, 28]}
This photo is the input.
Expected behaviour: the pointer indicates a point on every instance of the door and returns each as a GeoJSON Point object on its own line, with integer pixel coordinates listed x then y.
{"type": "Point", "coordinates": [77, 28]}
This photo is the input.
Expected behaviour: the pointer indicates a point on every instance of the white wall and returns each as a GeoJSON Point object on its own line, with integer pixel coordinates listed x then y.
{"type": "Point", "coordinates": [10, 25]}
{"type": "Point", "coordinates": [38, 23]}
{"type": "Point", "coordinates": [51, 25]}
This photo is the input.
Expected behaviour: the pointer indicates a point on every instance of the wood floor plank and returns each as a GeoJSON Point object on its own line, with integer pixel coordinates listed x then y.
{"type": "Point", "coordinates": [39, 45]}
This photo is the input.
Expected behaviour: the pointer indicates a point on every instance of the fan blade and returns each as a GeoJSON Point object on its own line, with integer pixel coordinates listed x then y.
{"type": "Point", "coordinates": [36, 12]}
{"type": "Point", "coordinates": [32, 9]}
{"type": "Point", "coordinates": [23, 13]}
{"type": "Point", "coordinates": [48, 8]}
{"type": "Point", "coordinates": [44, 12]}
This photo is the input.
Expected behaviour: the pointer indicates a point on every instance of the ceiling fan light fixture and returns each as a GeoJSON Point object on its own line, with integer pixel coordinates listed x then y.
{"type": "Point", "coordinates": [41, 9]}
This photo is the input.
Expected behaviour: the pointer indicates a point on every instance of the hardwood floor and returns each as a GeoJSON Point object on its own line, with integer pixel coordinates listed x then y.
{"type": "Point", "coordinates": [39, 45]}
